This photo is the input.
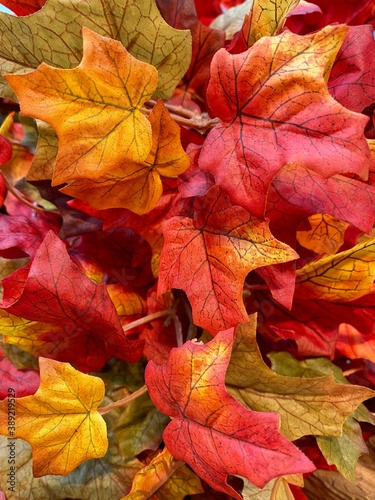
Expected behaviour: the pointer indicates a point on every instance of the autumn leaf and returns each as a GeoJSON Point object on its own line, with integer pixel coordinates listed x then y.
{"type": "Point", "coordinates": [324, 236]}
{"type": "Point", "coordinates": [310, 406]}
{"type": "Point", "coordinates": [281, 113]}
{"type": "Point", "coordinates": [181, 14]}
{"type": "Point", "coordinates": [138, 187]}
{"type": "Point", "coordinates": [53, 36]}
{"type": "Point", "coordinates": [5, 150]}
{"type": "Point", "coordinates": [149, 479]}
{"type": "Point", "coordinates": [264, 19]}
{"type": "Point", "coordinates": [24, 382]}
{"type": "Point", "coordinates": [105, 92]}
{"type": "Point", "coordinates": [352, 79]}
{"type": "Point", "coordinates": [342, 451]}
{"type": "Point", "coordinates": [23, 233]}
{"type": "Point", "coordinates": [210, 255]}
{"type": "Point", "coordinates": [210, 430]}
{"type": "Point", "coordinates": [60, 420]}
{"type": "Point", "coordinates": [44, 160]}
{"type": "Point", "coordinates": [99, 478]}
{"type": "Point", "coordinates": [61, 313]}
{"type": "Point", "coordinates": [345, 276]}
{"type": "Point", "coordinates": [296, 193]}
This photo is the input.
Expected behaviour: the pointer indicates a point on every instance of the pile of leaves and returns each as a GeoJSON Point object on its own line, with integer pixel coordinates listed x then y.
{"type": "Point", "coordinates": [187, 251]}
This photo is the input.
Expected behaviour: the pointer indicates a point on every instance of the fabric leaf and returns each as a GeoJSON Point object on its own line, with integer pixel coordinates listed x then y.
{"type": "Point", "coordinates": [316, 406]}
{"type": "Point", "coordinates": [105, 92]}
{"type": "Point", "coordinates": [209, 257]}
{"type": "Point", "coordinates": [276, 109]}
{"type": "Point", "coordinates": [60, 420]}
{"type": "Point", "coordinates": [138, 187]}
{"type": "Point", "coordinates": [344, 276]}
{"type": "Point", "coordinates": [53, 36]}
{"type": "Point", "coordinates": [210, 430]}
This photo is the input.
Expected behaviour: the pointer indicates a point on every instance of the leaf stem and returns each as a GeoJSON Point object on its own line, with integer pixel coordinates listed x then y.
{"type": "Point", "coordinates": [20, 198]}
{"type": "Point", "coordinates": [124, 401]}
{"type": "Point", "coordinates": [146, 319]}
{"type": "Point", "coordinates": [184, 117]}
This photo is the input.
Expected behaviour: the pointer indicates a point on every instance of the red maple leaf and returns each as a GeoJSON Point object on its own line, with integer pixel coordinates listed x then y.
{"type": "Point", "coordinates": [210, 430]}
{"type": "Point", "coordinates": [276, 109]}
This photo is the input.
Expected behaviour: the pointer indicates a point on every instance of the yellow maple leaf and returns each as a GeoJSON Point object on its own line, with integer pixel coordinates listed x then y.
{"type": "Point", "coordinates": [341, 277]}
{"type": "Point", "coordinates": [94, 108]}
{"type": "Point", "coordinates": [60, 421]}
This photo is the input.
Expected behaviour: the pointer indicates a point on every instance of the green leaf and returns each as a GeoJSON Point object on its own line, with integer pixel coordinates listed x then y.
{"type": "Point", "coordinates": [53, 35]}
{"type": "Point", "coordinates": [344, 451]}
{"type": "Point", "coordinates": [316, 406]}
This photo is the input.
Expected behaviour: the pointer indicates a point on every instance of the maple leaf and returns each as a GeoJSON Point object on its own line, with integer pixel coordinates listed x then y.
{"type": "Point", "coordinates": [99, 478]}
{"type": "Point", "coordinates": [53, 35]}
{"type": "Point", "coordinates": [138, 187]}
{"type": "Point", "coordinates": [182, 14]}
{"type": "Point", "coordinates": [149, 479]}
{"type": "Point", "coordinates": [210, 255]}
{"type": "Point", "coordinates": [306, 406]}
{"type": "Point", "coordinates": [296, 193]}
{"type": "Point", "coordinates": [44, 159]}
{"type": "Point", "coordinates": [210, 430]}
{"type": "Point", "coordinates": [24, 382]}
{"type": "Point", "coordinates": [55, 301]}
{"type": "Point", "coordinates": [345, 276]}
{"type": "Point", "coordinates": [5, 150]}
{"type": "Point", "coordinates": [105, 92]}
{"type": "Point", "coordinates": [343, 451]}
{"type": "Point", "coordinates": [264, 19]}
{"type": "Point", "coordinates": [324, 234]}
{"type": "Point", "coordinates": [275, 109]}
{"type": "Point", "coordinates": [352, 79]}
{"type": "Point", "coordinates": [23, 233]}
{"type": "Point", "coordinates": [60, 420]}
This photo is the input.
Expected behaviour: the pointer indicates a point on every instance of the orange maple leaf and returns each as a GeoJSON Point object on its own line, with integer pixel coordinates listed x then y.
{"type": "Point", "coordinates": [94, 108]}
{"type": "Point", "coordinates": [138, 187]}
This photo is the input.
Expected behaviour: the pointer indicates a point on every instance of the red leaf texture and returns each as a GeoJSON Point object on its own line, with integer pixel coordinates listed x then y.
{"type": "Point", "coordinates": [23, 233]}
{"type": "Point", "coordinates": [276, 109]}
{"type": "Point", "coordinates": [210, 255]}
{"type": "Point", "coordinates": [23, 7]}
{"type": "Point", "coordinates": [210, 430]}
{"type": "Point", "coordinates": [297, 193]}
{"type": "Point", "coordinates": [24, 382]}
{"type": "Point", "coordinates": [53, 290]}
{"type": "Point", "coordinates": [5, 150]}
{"type": "Point", "coordinates": [352, 79]}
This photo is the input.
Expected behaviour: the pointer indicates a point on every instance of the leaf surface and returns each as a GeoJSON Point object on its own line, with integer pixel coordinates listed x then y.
{"type": "Point", "coordinates": [310, 406]}
{"type": "Point", "coordinates": [24, 382]}
{"type": "Point", "coordinates": [210, 430]}
{"type": "Point", "coordinates": [138, 186]}
{"type": "Point", "coordinates": [61, 308]}
{"type": "Point", "coordinates": [344, 451]}
{"type": "Point", "coordinates": [276, 109]}
{"type": "Point", "coordinates": [105, 92]}
{"type": "Point", "coordinates": [265, 19]}
{"type": "Point", "coordinates": [324, 236]}
{"type": "Point", "coordinates": [99, 478]}
{"type": "Point", "coordinates": [352, 79]}
{"type": "Point", "coordinates": [53, 36]}
{"type": "Point", "coordinates": [209, 257]}
{"type": "Point", "coordinates": [345, 276]}
{"type": "Point", "coordinates": [60, 420]}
